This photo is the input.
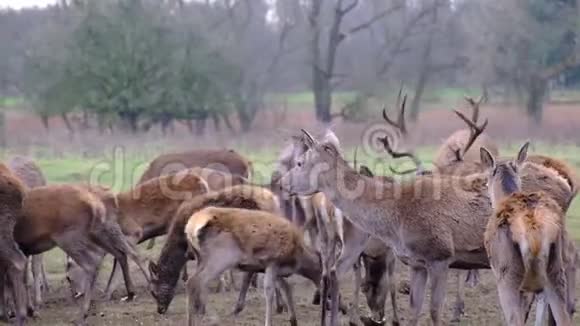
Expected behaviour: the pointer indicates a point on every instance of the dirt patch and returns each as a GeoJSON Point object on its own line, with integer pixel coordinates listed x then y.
{"type": "Point", "coordinates": [481, 306]}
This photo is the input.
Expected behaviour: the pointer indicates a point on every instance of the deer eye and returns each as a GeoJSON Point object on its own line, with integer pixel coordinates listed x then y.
{"type": "Point", "coordinates": [299, 164]}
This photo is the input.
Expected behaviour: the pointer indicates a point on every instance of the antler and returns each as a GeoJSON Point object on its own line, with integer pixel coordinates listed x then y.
{"type": "Point", "coordinates": [395, 154]}
{"type": "Point", "coordinates": [475, 130]}
{"type": "Point", "coordinates": [400, 124]}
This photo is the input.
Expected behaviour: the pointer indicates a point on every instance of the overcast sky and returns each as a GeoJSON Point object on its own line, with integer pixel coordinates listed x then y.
{"type": "Point", "coordinates": [17, 4]}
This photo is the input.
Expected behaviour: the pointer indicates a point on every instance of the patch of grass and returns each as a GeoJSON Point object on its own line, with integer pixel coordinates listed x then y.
{"type": "Point", "coordinates": [9, 102]}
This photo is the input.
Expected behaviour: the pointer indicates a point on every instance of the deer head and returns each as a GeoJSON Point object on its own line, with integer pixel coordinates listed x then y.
{"type": "Point", "coordinates": [320, 158]}
{"type": "Point", "coordinates": [504, 178]}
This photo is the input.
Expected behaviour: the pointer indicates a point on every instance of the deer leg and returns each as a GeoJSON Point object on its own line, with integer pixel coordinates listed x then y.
{"type": "Point", "coordinates": [459, 309]}
{"type": "Point", "coordinates": [184, 275]}
{"type": "Point", "coordinates": [280, 304]}
{"type": "Point", "coordinates": [392, 286]}
{"type": "Point", "coordinates": [353, 311]}
{"type": "Point", "coordinates": [571, 289]}
{"type": "Point", "coordinates": [27, 287]}
{"type": "Point", "coordinates": [418, 283]}
{"type": "Point", "coordinates": [510, 301]}
{"type": "Point", "coordinates": [45, 286]}
{"type": "Point", "coordinates": [3, 307]}
{"type": "Point", "coordinates": [270, 277]}
{"type": "Point", "coordinates": [88, 256]}
{"type": "Point", "coordinates": [556, 297]}
{"type": "Point", "coordinates": [110, 237]}
{"type": "Point", "coordinates": [287, 290]}
{"type": "Point", "coordinates": [246, 280]}
{"type": "Point", "coordinates": [37, 279]}
{"type": "Point", "coordinates": [541, 309]}
{"type": "Point", "coordinates": [211, 265]}
{"type": "Point", "coordinates": [438, 273]}
{"type": "Point", "coordinates": [113, 281]}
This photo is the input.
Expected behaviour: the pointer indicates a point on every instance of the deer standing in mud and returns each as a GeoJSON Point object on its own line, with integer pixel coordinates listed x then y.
{"type": "Point", "coordinates": [525, 241]}
{"type": "Point", "coordinates": [223, 238]}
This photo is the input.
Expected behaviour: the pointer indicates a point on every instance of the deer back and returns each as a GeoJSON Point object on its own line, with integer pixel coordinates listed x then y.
{"type": "Point", "coordinates": [222, 160]}
{"type": "Point", "coordinates": [446, 154]}
{"type": "Point", "coordinates": [260, 235]}
{"type": "Point", "coordinates": [28, 171]}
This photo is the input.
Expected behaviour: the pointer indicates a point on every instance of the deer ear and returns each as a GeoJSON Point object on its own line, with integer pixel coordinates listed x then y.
{"type": "Point", "coordinates": [523, 153]}
{"type": "Point", "coordinates": [153, 269]}
{"type": "Point", "coordinates": [486, 158]}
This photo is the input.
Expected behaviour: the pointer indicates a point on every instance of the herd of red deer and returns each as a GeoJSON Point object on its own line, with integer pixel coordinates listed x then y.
{"type": "Point", "coordinates": [472, 211]}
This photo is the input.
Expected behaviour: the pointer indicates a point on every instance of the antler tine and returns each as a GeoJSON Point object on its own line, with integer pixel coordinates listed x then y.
{"type": "Point", "coordinates": [400, 124]}
{"type": "Point", "coordinates": [476, 134]}
{"type": "Point", "coordinates": [401, 119]}
{"type": "Point", "coordinates": [354, 159]}
{"type": "Point", "coordinates": [395, 154]}
{"type": "Point", "coordinates": [405, 172]}
{"type": "Point", "coordinates": [387, 119]}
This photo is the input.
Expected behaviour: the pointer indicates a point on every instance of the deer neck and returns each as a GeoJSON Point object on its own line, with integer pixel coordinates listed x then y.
{"type": "Point", "coordinates": [368, 203]}
{"type": "Point", "coordinates": [172, 259]}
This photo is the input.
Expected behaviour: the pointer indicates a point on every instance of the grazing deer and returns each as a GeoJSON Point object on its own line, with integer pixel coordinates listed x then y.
{"type": "Point", "coordinates": [165, 273]}
{"type": "Point", "coordinates": [432, 223]}
{"type": "Point", "coordinates": [12, 259]}
{"type": "Point", "coordinates": [223, 238]}
{"type": "Point", "coordinates": [80, 222]}
{"type": "Point", "coordinates": [146, 210]}
{"type": "Point", "coordinates": [31, 176]}
{"type": "Point", "coordinates": [525, 241]}
{"type": "Point", "coordinates": [228, 161]}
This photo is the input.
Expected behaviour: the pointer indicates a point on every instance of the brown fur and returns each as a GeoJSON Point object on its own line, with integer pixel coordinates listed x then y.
{"type": "Point", "coordinates": [446, 154]}
{"type": "Point", "coordinates": [218, 159]}
{"type": "Point", "coordinates": [165, 273]}
{"type": "Point", "coordinates": [12, 260]}
{"type": "Point", "coordinates": [31, 175]}
{"type": "Point", "coordinates": [75, 219]}
{"type": "Point", "coordinates": [263, 237]}
{"type": "Point", "coordinates": [227, 237]}
{"type": "Point", "coordinates": [146, 210]}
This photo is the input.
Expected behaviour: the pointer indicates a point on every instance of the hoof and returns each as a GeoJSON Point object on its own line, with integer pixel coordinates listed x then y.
{"type": "Point", "coordinates": [129, 297]}
{"type": "Point", "coordinates": [235, 312]}
{"type": "Point", "coordinates": [367, 321]}
{"type": "Point", "coordinates": [293, 322]}
{"type": "Point", "coordinates": [80, 294]}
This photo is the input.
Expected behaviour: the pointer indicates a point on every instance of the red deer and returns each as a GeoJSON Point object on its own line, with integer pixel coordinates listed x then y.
{"type": "Point", "coordinates": [223, 238]}
{"type": "Point", "coordinates": [165, 273]}
{"type": "Point", "coordinates": [228, 161]}
{"type": "Point", "coordinates": [12, 259]}
{"type": "Point", "coordinates": [146, 211]}
{"type": "Point", "coordinates": [525, 241]}
{"type": "Point", "coordinates": [31, 176]}
{"type": "Point", "coordinates": [82, 224]}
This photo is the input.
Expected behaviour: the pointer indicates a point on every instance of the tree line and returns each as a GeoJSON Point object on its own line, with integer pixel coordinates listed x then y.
{"type": "Point", "coordinates": [135, 64]}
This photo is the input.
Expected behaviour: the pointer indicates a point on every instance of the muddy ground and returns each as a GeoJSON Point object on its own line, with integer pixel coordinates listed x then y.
{"type": "Point", "coordinates": [481, 305]}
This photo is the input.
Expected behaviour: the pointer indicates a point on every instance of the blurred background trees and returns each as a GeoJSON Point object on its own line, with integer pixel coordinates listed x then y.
{"type": "Point", "coordinates": [135, 64]}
